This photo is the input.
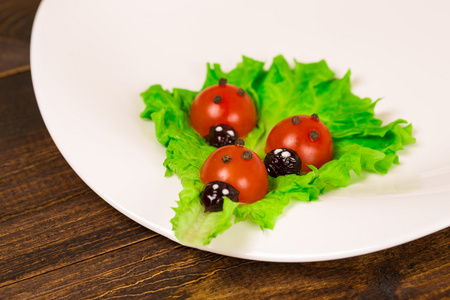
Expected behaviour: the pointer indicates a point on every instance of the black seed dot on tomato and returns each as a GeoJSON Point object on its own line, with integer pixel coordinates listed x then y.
{"type": "Point", "coordinates": [315, 116]}
{"type": "Point", "coordinates": [282, 161]}
{"type": "Point", "coordinates": [222, 81]}
{"type": "Point", "coordinates": [213, 194]}
{"type": "Point", "coordinates": [314, 135]}
{"type": "Point", "coordinates": [221, 135]}
{"type": "Point", "coordinates": [241, 92]}
{"type": "Point", "coordinates": [295, 120]}
{"type": "Point", "coordinates": [226, 159]}
{"type": "Point", "coordinates": [240, 142]}
{"type": "Point", "coordinates": [217, 99]}
{"type": "Point", "coordinates": [247, 155]}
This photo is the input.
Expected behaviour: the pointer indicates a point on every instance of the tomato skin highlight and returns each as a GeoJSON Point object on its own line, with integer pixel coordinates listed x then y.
{"type": "Point", "coordinates": [297, 137]}
{"type": "Point", "coordinates": [249, 177]}
{"type": "Point", "coordinates": [235, 109]}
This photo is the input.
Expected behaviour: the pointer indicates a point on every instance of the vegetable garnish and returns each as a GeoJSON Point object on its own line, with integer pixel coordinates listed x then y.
{"type": "Point", "coordinates": [226, 104]}
{"type": "Point", "coordinates": [244, 170]}
{"type": "Point", "coordinates": [307, 136]}
{"type": "Point", "coordinates": [360, 141]}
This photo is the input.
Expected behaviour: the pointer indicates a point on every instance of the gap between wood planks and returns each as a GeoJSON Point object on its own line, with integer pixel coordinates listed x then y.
{"type": "Point", "coordinates": [14, 71]}
{"type": "Point", "coordinates": [86, 259]}
{"type": "Point", "coordinates": [14, 57]}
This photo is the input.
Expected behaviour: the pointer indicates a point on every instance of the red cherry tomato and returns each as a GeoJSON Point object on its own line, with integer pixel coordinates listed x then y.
{"type": "Point", "coordinates": [223, 104]}
{"type": "Point", "coordinates": [247, 174]}
{"type": "Point", "coordinates": [310, 139]}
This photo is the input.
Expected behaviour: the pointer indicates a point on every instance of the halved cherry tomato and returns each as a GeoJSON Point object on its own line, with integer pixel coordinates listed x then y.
{"type": "Point", "coordinates": [240, 167]}
{"type": "Point", "coordinates": [307, 136]}
{"type": "Point", "coordinates": [223, 104]}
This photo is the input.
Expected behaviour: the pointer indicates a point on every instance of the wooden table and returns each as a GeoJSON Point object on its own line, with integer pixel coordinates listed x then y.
{"type": "Point", "coordinates": [59, 240]}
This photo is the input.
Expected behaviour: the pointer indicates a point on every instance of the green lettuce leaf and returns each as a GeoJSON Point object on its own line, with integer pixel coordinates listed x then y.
{"type": "Point", "coordinates": [187, 150]}
{"type": "Point", "coordinates": [361, 142]}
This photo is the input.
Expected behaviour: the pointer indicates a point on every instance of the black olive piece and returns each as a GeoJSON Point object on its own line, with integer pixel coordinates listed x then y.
{"type": "Point", "coordinates": [241, 92]}
{"type": "Point", "coordinates": [222, 81]}
{"type": "Point", "coordinates": [282, 161]}
{"type": "Point", "coordinates": [221, 135]}
{"type": "Point", "coordinates": [217, 99]}
{"type": "Point", "coordinates": [315, 116]}
{"type": "Point", "coordinates": [213, 194]}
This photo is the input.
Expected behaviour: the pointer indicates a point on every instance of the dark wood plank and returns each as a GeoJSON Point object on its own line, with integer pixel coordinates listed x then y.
{"type": "Point", "coordinates": [14, 57]}
{"type": "Point", "coordinates": [16, 18]}
{"type": "Point", "coordinates": [49, 217]}
{"type": "Point", "coordinates": [158, 268]}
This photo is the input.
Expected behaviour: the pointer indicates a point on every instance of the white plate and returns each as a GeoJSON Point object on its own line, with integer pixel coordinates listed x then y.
{"type": "Point", "coordinates": [91, 59]}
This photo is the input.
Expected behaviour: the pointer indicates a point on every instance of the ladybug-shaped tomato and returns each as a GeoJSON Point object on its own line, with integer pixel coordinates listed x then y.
{"type": "Point", "coordinates": [223, 104]}
{"type": "Point", "coordinates": [307, 136]}
{"type": "Point", "coordinates": [240, 167]}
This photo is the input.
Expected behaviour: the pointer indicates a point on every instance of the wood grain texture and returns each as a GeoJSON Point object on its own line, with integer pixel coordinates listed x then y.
{"type": "Point", "coordinates": [14, 57]}
{"type": "Point", "coordinates": [16, 18]}
{"type": "Point", "coordinates": [46, 208]}
{"type": "Point", "coordinates": [59, 240]}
